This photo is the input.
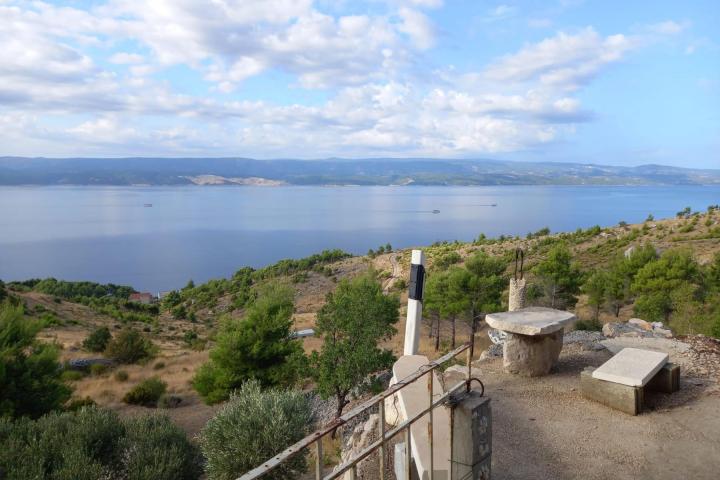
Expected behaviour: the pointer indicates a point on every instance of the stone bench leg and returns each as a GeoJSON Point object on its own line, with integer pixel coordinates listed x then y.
{"type": "Point", "coordinates": [614, 395]}
{"type": "Point", "coordinates": [531, 355]}
{"type": "Point", "coordinates": [667, 380]}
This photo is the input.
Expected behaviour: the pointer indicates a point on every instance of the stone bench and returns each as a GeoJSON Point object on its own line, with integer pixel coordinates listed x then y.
{"type": "Point", "coordinates": [534, 338]}
{"type": "Point", "coordinates": [621, 382]}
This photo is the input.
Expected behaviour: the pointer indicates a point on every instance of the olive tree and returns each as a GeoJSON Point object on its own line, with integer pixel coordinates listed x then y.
{"type": "Point", "coordinates": [355, 317]}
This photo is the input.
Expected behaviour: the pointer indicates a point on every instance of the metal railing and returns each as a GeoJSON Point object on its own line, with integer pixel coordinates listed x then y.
{"type": "Point", "coordinates": [384, 436]}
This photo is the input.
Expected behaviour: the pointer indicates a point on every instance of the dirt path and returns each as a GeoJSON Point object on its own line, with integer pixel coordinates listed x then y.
{"type": "Point", "coordinates": [544, 429]}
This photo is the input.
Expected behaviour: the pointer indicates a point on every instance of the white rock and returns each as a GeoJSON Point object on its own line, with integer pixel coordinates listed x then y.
{"type": "Point", "coordinates": [640, 323]}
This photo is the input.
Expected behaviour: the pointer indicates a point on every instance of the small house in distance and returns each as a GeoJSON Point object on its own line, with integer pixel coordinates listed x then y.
{"type": "Point", "coordinates": [144, 297]}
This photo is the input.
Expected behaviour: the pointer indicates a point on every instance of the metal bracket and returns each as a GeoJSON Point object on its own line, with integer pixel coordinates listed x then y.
{"type": "Point", "coordinates": [519, 257]}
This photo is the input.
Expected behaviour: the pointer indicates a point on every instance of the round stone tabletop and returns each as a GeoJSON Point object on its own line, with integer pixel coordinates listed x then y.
{"type": "Point", "coordinates": [530, 321]}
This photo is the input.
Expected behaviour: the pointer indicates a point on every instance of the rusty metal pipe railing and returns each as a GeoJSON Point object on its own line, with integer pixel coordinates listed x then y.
{"type": "Point", "coordinates": [380, 444]}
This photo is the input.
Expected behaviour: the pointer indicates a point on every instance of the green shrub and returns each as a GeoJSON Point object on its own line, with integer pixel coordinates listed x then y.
{"type": "Point", "coordinates": [190, 337]}
{"type": "Point", "coordinates": [93, 443]}
{"type": "Point", "coordinates": [716, 328]}
{"type": "Point", "coordinates": [98, 369]}
{"type": "Point", "coordinates": [179, 312]}
{"type": "Point", "coordinates": [129, 346]}
{"type": "Point", "coordinates": [591, 325]}
{"type": "Point", "coordinates": [169, 401]}
{"type": "Point", "coordinates": [30, 375]}
{"type": "Point", "coordinates": [98, 340]}
{"type": "Point", "coordinates": [252, 427]}
{"type": "Point", "coordinates": [258, 347]}
{"type": "Point", "coordinates": [121, 376]}
{"type": "Point", "coordinates": [146, 393]}
{"type": "Point", "coordinates": [72, 375]}
{"type": "Point", "coordinates": [159, 450]}
{"type": "Point", "coordinates": [77, 403]}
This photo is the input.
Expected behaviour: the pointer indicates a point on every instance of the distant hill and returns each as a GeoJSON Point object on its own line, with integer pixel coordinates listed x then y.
{"type": "Point", "coordinates": [371, 171]}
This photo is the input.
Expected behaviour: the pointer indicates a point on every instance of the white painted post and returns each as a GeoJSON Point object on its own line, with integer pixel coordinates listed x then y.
{"type": "Point", "coordinates": [414, 308]}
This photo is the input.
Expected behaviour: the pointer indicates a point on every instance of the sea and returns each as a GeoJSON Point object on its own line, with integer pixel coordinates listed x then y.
{"type": "Point", "coordinates": [157, 238]}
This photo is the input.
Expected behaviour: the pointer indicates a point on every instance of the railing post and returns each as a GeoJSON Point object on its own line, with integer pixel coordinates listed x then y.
{"type": "Point", "coordinates": [319, 459]}
{"type": "Point", "coordinates": [382, 439]}
{"type": "Point", "coordinates": [430, 423]}
{"type": "Point", "coordinates": [452, 441]}
{"type": "Point", "coordinates": [408, 453]}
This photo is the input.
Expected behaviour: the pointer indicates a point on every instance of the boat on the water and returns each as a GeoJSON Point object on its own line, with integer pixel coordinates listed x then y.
{"type": "Point", "coordinates": [436, 211]}
{"type": "Point", "coordinates": [148, 205]}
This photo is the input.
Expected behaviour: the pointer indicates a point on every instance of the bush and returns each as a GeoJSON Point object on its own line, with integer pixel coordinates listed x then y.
{"type": "Point", "coordinates": [94, 443]}
{"type": "Point", "coordinates": [121, 376]}
{"type": "Point", "coordinates": [30, 375]}
{"type": "Point", "coordinates": [591, 325]}
{"type": "Point", "coordinates": [72, 375]}
{"type": "Point", "coordinates": [129, 346]}
{"type": "Point", "coordinates": [189, 337]}
{"type": "Point", "coordinates": [159, 450]}
{"type": "Point", "coordinates": [251, 428]}
{"type": "Point", "coordinates": [257, 347]}
{"type": "Point", "coordinates": [98, 369]}
{"type": "Point", "coordinates": [98, 340]}
{"type": "Point", "coordinates": [146, 393]}
{"type": "Point", "coordinates": [169, 401]}
{"type": "Point", "coordinates": [78, 403]}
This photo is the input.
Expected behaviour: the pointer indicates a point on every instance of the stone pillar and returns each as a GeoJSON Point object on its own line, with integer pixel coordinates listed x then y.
{"type": "Point", "coordinates": [414, 308]}
{"type": "Point", "coordinates": [471, 436]}
{"type": "Point", "coordinates": [531, 355]}
{"type": "Point", "coordinates": [516, 299]}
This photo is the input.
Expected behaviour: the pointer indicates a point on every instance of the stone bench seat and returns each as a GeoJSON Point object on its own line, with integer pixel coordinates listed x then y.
{"type": "Point", "coordinates": [620, 383]}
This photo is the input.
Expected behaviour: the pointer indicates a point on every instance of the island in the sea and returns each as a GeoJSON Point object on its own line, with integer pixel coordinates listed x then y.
{"type": "Point", "coordinates": [334, 171]}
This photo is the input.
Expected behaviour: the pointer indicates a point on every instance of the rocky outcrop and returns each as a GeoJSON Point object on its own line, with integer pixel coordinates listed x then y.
{"type": "Point", "coordinates": [358, 440]}
{"type": "Point", "coordinates": [636, 327]}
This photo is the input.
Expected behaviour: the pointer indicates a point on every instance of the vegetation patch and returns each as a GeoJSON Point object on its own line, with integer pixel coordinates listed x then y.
{"type": "Point", "coordinates": [146, 393]}
{"type": "Point", "coordinates": [255, 425]}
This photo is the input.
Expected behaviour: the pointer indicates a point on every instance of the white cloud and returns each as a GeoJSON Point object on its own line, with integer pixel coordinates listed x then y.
{"type": "Point", "coordinates": [668, 27]}
{"type": "Point", "coordinates": [58, 99]}
{"type": "Point", "coordinates": [124, 58]}
{"type": "Point", "coordinates": [565, 61]}
{"type": "Point", "coordinates": [418, 26]}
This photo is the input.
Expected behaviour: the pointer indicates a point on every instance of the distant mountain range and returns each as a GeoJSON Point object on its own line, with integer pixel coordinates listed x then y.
{"type": "Point", "coordinates": [333, 171]}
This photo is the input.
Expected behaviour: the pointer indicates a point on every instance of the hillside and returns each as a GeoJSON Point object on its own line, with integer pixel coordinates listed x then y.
{"type": "Point", "coordinates": [198, 308]}
{"type": "Point", "coordinates": [369, 171]}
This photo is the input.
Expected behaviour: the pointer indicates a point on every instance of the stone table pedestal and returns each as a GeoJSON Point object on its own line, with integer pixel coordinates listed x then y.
{"type": "Point", "coordinates": [534, 338]}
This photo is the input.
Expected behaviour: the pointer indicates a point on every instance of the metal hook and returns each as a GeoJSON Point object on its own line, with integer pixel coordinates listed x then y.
{"type": "Point", "coordinates": [519, 255]}
{"type": "Point", "coordinates": [470, 380]}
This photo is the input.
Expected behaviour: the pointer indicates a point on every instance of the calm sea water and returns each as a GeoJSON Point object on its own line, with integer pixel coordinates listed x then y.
{"type": "Point", "coordinates": [107, 234]}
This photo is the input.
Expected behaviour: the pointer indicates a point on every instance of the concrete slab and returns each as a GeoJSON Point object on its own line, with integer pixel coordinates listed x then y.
{"type": "Point", "coordinates": [632, 367]}
{"type": "Point", "coordinates": [530, 321]}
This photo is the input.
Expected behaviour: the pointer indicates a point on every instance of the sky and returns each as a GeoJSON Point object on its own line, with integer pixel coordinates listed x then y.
{"type": "Point", "coordinates": [613, 82]}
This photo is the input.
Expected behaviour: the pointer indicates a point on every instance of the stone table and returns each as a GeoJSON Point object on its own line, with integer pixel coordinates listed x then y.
{"type": "Point", "coordinates": [534, 338]}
